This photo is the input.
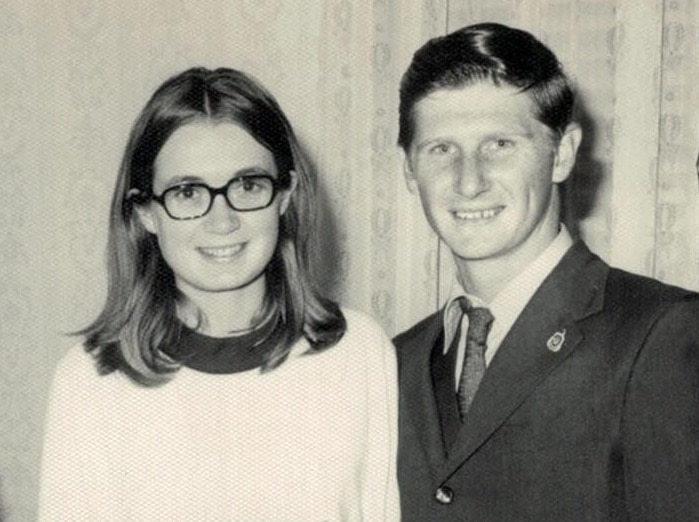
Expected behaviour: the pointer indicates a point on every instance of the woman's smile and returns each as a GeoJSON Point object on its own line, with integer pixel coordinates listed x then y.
{"type": "Point", "coordinates": [222, 254]}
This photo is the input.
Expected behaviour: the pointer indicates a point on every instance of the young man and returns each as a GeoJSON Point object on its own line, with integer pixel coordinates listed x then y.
{"type": "Point", "coordinates": [550, 387]}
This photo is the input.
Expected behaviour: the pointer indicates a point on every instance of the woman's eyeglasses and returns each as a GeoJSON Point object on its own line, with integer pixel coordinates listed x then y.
{"type": "Point", "coordinates": [243, 193]}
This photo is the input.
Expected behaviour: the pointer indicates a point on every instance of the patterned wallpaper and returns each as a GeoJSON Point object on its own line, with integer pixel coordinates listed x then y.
{"type": "Point", "coordinates": [74, 74]}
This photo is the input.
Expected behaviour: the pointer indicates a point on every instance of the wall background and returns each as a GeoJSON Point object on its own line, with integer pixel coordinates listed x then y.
{"type": "Point", "coordinates": [74, 74]}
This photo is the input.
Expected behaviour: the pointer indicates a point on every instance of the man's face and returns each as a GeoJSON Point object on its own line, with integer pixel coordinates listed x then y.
{"type": "Point", "coordinates": [485, 169]}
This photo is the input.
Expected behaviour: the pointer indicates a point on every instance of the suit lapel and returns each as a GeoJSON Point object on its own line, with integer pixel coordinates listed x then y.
{"type": "Point", "coordinates": [420, 403]}
{"type": "Point", "coordinates": [544, 334]}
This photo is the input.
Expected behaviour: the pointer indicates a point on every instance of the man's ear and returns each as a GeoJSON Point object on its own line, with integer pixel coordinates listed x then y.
{"type": "Point", "coordinates": [566, 152]}
{"type": "Point", "coordinates": [286, 194]}
{"type": "Point", "coordinates": [410, 179]}
{"type": "Point", "coordinates": [144, 212]}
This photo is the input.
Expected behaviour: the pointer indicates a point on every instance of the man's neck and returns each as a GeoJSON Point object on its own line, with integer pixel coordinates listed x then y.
{"type": "Point", "coordinates": [483, 278]}
{"type": "Point", "coordinates": [486, 278]}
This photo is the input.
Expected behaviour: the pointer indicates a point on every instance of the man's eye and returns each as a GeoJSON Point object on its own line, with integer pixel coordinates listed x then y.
{"type": "Point", "coordinates": [504, 143]}
{"type": "Point", "coordinates": [440, 149]}
{"type": "Point", "coordinates": [499, 146]}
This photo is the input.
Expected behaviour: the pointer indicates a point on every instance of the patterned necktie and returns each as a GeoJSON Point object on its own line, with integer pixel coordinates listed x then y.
{"type": "Point", "coordinates": [479, 322]}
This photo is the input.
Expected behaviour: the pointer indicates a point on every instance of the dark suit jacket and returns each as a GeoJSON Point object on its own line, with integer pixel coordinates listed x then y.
{"type": "Point", "coordinates": [606, 428]}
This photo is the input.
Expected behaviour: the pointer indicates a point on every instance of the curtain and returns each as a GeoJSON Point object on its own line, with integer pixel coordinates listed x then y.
{"type": "Point", "coordinates": [633, 196]}
{"type": "Point", "coordinates": [74, 74]}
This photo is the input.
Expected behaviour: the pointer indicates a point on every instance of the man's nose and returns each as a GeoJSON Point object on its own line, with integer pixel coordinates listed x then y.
{"type": "Point", "coordinates": [470, 176]}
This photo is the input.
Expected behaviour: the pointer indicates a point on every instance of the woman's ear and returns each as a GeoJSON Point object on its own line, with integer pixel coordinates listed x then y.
{"type": "Point", "coordinates": [286, 194]}
{"type": "Point", "coordinates": [566, 152]}
{"type": "Point", "coordinates": [143, 208]}
{"type": "Point", "coordinates": [144, 211]}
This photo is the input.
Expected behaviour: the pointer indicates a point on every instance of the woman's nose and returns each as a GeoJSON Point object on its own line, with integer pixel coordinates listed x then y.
{"type": "Point", "coordinates": [222, 218]}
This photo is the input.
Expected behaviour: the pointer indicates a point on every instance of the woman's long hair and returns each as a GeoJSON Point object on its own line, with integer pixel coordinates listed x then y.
{"type": "Point", "coordinates": [139, 317]}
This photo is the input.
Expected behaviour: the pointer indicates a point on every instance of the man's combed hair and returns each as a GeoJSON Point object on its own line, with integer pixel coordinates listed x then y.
{"type": "Point", "coordinates": [139, 318]}
{"type": "Point", "coordinates": [487, 52]}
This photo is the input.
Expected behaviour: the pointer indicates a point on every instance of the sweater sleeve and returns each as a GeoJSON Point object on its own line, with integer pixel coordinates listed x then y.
{"type": "Point", "coordinates": [71, 447]}
{"type": "Point", "coordinates": [380, 488]}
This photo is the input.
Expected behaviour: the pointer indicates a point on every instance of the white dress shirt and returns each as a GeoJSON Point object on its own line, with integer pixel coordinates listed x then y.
{"type": "Point", "coordinates": [506, 306]}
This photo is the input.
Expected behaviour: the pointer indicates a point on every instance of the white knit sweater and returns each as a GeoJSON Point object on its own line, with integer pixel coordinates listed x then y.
{"type": "Point", "coordinates": [313, 440]}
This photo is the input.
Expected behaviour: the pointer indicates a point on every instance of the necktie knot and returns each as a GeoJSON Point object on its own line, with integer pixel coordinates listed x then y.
{"type": "Point", "coordinates": [479, 321]}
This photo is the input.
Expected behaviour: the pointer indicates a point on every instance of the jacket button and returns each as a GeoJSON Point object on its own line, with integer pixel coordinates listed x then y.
{"type": "Point", "coordinates": [444, 495]}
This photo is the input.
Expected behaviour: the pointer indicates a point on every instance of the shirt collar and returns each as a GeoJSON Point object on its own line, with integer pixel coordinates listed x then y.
{"type": "Point", "coordinates": [512, 299]}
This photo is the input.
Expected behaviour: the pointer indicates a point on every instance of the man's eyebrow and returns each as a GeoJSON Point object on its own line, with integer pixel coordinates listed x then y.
{"type": "Point", "coordinates": [420, 145]}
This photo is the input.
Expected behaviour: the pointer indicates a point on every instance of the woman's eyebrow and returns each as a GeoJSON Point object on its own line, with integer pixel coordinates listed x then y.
{"type": "Point", "coordinates": [193, 178]}
{"type": "Point", "coordinates": [185, 178]}
{"type": "Point", "coordinates": [251, 171]}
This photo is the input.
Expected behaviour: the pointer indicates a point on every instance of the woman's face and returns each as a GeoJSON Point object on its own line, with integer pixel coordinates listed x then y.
{"type": "Point", "coordinates": [225, 250]}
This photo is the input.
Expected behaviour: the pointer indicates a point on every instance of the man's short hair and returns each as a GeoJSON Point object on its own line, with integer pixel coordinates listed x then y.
{"type": "Point", "coordinates": [487, 52]}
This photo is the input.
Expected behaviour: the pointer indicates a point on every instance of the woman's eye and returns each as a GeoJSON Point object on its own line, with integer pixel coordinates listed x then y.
{"type": "Point", "coordinates": [187, 192]}
{"type": "Point", "coordinates": [250, 185]}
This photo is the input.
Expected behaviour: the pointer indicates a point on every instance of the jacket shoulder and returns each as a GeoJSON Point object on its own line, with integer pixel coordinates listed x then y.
{"type": "Point", "coordinates": [639, 301]}
{"type": "Point", "coordinates": [627, 288]}
{"type": "Point", "coordinates": [430, 323]}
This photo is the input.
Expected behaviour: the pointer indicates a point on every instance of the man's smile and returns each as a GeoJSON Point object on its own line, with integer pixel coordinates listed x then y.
{"type": "Point", "coordinates": [478, 215]}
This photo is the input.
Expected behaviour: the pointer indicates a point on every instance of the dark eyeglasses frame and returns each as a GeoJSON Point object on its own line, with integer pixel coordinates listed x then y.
{"type": "Point", "coordinates": [277, 185]}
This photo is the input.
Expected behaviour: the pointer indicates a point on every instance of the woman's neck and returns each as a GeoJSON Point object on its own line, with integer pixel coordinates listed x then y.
{"type": "Point", "coordinates": [218, 314]}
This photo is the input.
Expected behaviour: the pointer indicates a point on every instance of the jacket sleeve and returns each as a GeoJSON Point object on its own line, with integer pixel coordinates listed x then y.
{"type": "Point", "coordinates": [660, 423]}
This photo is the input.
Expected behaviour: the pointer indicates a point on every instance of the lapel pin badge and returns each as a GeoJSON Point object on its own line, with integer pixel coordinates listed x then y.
{"type": "Point", "coordinates": [555, 342]}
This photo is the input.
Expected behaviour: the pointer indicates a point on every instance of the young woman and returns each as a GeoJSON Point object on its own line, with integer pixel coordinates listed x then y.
{"type": "Point", "coordinates": [216, 384]}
